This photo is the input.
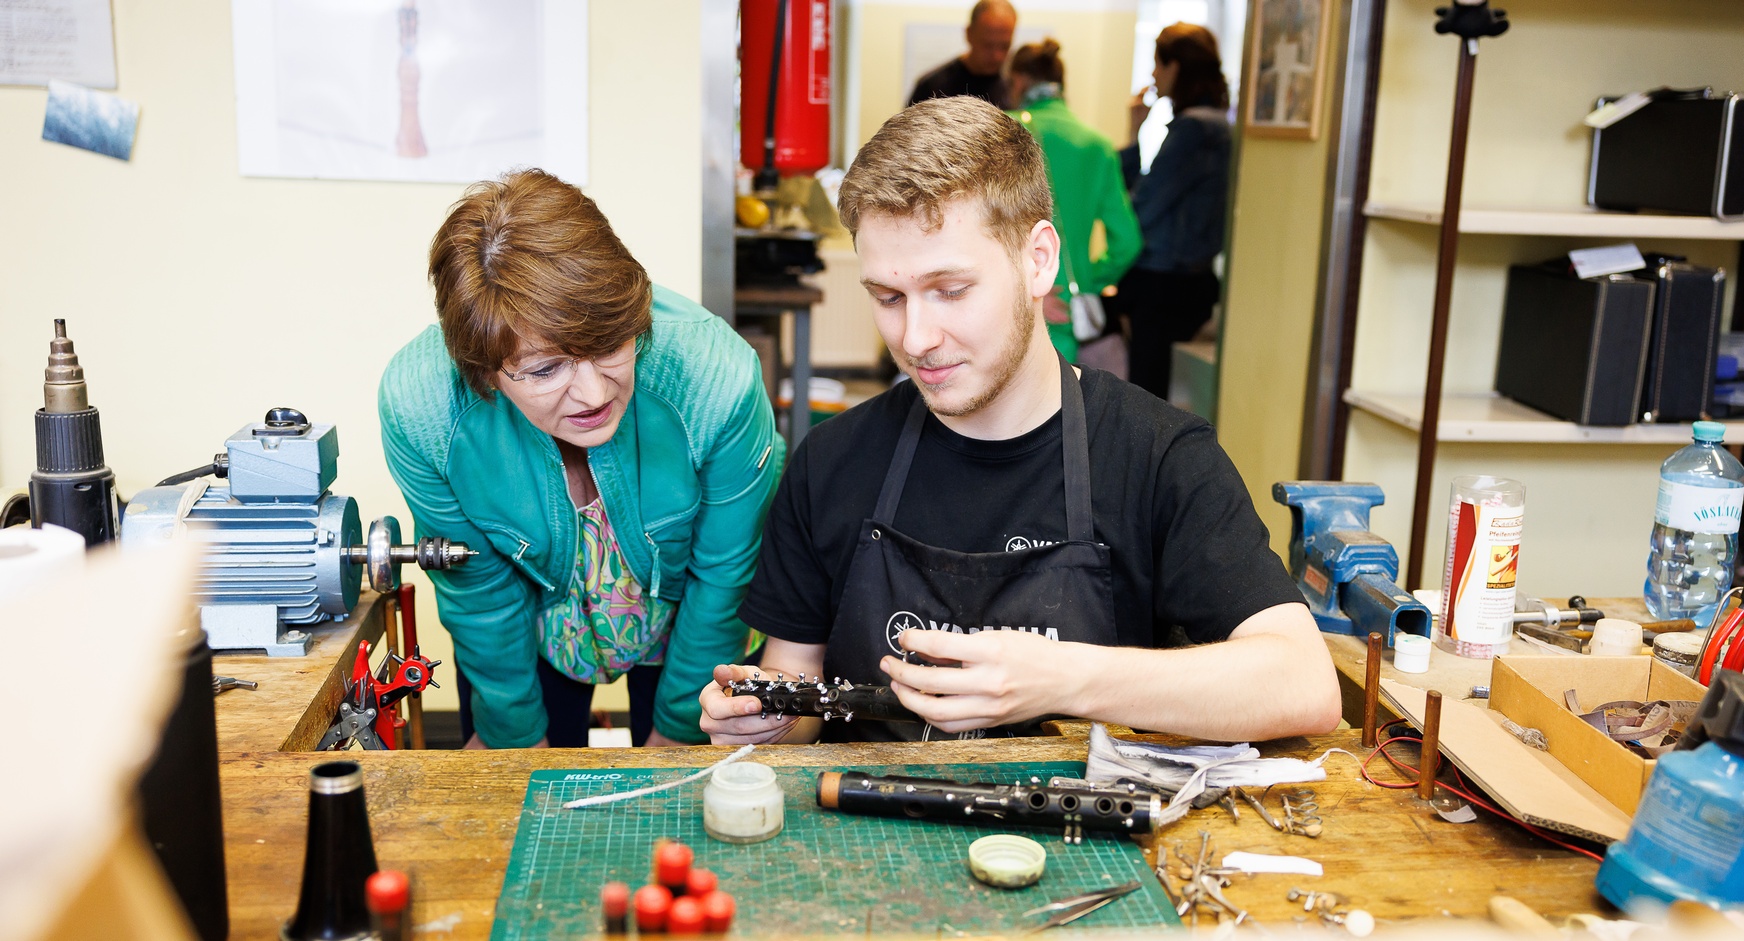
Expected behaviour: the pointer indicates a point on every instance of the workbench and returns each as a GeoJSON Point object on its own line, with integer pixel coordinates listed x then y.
{"type": "Point", "coordinates": [449, 817]}
{"type": "Point", "coordinates": [1454, 676]}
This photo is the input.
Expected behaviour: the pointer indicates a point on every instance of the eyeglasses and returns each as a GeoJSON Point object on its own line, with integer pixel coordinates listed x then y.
{"type": "Point", "coordinates": [554, 374]}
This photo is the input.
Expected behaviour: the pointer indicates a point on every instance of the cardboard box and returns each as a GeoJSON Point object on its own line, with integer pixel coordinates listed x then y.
{"type": "Point", "coordinates": [1530, 690]}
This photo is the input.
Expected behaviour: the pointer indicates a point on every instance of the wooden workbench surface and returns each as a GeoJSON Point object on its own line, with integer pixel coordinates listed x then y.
{"type": "Point", "coordinates": [297, 696]}
{"type": "Point", "coordinates": [1453, 676]}
{"type": "Point", "coordinates": [449, 818]}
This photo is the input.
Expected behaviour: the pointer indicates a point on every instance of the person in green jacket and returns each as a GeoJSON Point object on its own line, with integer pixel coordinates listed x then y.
{"type": "Point", "coordinates": [1084, 172]}
{"type": "Point", "coordinates": [605, 444]}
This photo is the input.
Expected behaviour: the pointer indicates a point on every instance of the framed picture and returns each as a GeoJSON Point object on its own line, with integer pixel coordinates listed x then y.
{"type": "Point", "coordinates": [1286, 67]}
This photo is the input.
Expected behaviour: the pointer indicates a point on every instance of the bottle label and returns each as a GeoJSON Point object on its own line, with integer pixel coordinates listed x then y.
{"type": "Point", "coordinates": [1483, 560]}
{"type": "Point", "coordinates": [1713, 510]}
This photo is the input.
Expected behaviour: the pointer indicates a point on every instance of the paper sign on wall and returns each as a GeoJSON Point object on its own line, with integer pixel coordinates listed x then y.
{"type": "Point", "coordinates": [69, 40]}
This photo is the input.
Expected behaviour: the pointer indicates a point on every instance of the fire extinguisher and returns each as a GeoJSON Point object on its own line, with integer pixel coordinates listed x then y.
{"type": "Point", "coordinates": [784, 83]}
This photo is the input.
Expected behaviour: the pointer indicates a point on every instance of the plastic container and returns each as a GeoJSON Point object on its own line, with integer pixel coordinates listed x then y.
{"type": "Point", "coordinates": [1687, 839]}
{"type": "Point", "coordinates": [1695, 529]}
{"type": "Point", "coordinates": [1615, 637]}
{"type": "Point", "coordinates": [1484, 520]}
{"type": "Point", "coordinates": [1411, 653]}
{"type": "Point", "coordinates": [742, 803]}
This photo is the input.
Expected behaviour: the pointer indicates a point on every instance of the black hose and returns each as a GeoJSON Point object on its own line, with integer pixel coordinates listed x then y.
{"type": "Point", "coordinates": [768, 177]}
{"type": "Point", "coordinates": [220, 467]}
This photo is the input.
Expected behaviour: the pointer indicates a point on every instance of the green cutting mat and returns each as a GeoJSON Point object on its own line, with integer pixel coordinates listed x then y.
{"type": "Point", "coordinates": [826, 873]}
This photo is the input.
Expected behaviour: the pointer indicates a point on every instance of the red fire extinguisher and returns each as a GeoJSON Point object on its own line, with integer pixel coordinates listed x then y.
{"type": "Point", "coordinates": [787, 131]}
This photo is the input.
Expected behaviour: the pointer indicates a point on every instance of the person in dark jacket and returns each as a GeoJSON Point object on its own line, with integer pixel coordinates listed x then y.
{"type": "Point", "coordinates": [1180, 201]}
{"type": "Point", "coordinates": [977, 72]}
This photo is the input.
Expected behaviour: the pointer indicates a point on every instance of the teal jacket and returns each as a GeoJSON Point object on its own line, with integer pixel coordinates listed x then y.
{"type": "Point", "coordinates": [686, 481]}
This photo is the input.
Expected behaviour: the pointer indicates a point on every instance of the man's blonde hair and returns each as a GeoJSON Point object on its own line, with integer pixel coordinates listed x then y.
{"type": "Point", "coordinates": [945, 149]}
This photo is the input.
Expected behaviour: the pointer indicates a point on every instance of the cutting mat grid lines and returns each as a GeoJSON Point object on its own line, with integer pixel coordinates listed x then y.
{"type": "Point", "coordinates": [827, 873]}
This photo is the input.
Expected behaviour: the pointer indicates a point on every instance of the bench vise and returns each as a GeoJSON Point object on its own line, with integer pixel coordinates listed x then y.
{"type": "Point", "coordinates": [1347, 573]}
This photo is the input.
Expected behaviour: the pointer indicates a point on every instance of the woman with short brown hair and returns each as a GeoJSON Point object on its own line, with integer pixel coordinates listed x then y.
{"type": "Point", "coordinates": [608, 447]}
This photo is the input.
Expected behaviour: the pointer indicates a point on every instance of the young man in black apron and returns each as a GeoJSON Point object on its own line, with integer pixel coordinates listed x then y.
{"type": "Point", "coordinates": [1003, 539]}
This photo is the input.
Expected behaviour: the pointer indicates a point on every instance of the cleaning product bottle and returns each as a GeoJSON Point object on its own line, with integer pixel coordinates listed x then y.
{"type": "Point", "coordinates": [1695, 529]}
{"type": "Point", "coordinates": [1687, 841]}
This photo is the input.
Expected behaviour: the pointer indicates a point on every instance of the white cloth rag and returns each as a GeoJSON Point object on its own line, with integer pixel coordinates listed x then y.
{"type": "Point", "coordinates": [1187, 771]}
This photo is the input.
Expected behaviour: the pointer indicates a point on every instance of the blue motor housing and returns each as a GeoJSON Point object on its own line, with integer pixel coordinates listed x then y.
{"type": "Point", "coordinates": [1347, 574]}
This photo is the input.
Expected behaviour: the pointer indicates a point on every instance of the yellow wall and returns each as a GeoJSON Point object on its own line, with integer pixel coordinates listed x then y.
{"type": "Point", "coordinates": [198, 299]}
{"type": "Point", "coordinates": [1268, 321]}
{"type": "Point", "coordinates": [1095, 44]}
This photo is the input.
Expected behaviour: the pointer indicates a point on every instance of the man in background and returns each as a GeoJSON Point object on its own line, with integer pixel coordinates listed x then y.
{"type": "Point", "coordinates": [977, 72]}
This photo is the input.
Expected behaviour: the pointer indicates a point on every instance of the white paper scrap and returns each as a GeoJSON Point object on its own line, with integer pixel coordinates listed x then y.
{"type": "Point", "coordinates": [1265, 862]}
{"type": "Point", "coordinates": [1606, 259]}
{"type": "Point", "coordinates": [1611, 112]}
{"type": "Point", "coordinates": [1464, 814]}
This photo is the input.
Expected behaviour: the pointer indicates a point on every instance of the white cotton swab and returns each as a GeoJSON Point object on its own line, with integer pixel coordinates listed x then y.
{"type": "Point", "coordinates": [656, 788]}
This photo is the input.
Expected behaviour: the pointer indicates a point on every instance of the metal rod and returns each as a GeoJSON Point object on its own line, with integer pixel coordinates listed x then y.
{"type": "Point", "coordinates": [1372, 692]}
{"type": "Point", "coordinates": [1431, 745]}
{"type": "Point", "coordinates": [1448, 255]}
{"type": "Point", "coordinates": [409, 628]}
{"type": "Point", "coordinates": [391, 639]}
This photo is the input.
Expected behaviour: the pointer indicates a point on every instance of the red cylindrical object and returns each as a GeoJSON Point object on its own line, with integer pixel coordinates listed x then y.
{"type": "Point", "coordinates": [672, 866]}
{"type": "Point", "coordinates": [653, 905]}
{"type": "Point", "coordinates": [700, 883]}
{"type": "Point", "coordinates": [717, 912]}
{"type": "Point", "coordinates": [686, 918]}
{"type": "Point", "coordinates": [802, 101]}
{"type": "Point", "coordinates": [615, 903]}
{"type": "Point", "coordinates": [388, 895]}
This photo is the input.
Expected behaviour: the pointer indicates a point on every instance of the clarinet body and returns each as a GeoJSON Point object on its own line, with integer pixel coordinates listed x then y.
{"type": "Point", "coordinates": [811, 696]}
{"type": "Point", "coordinates": [1123, 808]}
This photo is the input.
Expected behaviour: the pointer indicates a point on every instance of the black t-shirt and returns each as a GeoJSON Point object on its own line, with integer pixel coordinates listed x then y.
{"type": "Point", "coordinates": [1186, 546]}
{"type": "Point", "coordinates": [954, 78]}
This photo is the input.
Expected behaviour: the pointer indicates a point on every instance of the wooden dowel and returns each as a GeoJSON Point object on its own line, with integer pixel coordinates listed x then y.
{"type": "Point", "coordinates": [1372, 693]}
{"type": "Point", "coordinates": [1447, 255]}
{"type": "Point", "coordinates": [1431, 745]}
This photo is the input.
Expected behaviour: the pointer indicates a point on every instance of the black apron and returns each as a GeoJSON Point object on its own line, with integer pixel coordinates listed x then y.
{"type": "Point", "coordinates": [1062, 591]}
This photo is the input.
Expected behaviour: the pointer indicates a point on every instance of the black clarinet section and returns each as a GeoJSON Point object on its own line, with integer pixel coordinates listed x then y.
{"type": "Point", "coordinates": [1072, 809]}
{"type": "Point", "coordinates": [811, 696]}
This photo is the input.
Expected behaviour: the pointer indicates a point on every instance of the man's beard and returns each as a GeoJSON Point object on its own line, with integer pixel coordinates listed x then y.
{"type": "Point", "coordinates": [1003, 368]}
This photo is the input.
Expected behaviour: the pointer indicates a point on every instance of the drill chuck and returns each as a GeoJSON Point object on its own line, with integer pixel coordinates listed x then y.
{"type": "Point", "coordinates": [71, 486]}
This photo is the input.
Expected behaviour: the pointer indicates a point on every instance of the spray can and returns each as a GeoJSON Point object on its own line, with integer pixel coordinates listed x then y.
{"type": "Point", "coordinates": [1484, 522]}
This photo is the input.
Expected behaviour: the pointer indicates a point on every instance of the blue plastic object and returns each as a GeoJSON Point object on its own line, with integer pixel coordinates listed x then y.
{"type": "Point", "coordinates": [1348, 575]}
{"type": "Point", "coordinates": [1687, 841]}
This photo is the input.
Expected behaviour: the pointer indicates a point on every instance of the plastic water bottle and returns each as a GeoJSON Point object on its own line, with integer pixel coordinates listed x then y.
{"type": "Point", "coordinates": [1695, 529]}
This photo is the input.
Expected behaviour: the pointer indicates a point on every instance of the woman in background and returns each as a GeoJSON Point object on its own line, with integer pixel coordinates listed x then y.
{"type": "Point", "coordinates": [1085, 176]}
{"type": "Point", "coordinates": [1180, 201]}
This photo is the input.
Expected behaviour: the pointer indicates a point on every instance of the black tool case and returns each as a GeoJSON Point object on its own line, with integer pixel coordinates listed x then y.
{"type": "Point", "coordinates": [1572, 347]}
{"type": "Point", "coordinates": [1683, 152]}
{"type": "Point", "coordinates": [1685, 341]}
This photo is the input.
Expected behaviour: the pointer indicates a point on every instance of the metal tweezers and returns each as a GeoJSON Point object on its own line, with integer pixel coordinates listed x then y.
{"type": "Point", "coordinates": [1068, 910]}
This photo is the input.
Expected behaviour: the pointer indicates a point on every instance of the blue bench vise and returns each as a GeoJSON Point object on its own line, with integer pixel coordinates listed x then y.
{"type": "Point", "coordinates": [1347, 573]}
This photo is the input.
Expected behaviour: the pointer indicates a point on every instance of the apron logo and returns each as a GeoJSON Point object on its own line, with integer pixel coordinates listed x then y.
{"type": "Point", "coordinates": [899, 622]}
{"type": "Point", "coordinates": [1017, 544]}
{"type": "Point", "coordinates": [909, 621]}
